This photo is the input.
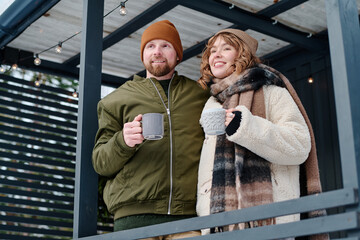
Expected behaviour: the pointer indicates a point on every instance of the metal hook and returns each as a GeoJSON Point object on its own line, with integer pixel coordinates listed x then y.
{"type": "Point", "coordinates": [275, 22]}
{"type": "Point", "coordinates": [232, 6]}
{"type": "Point", "coordinates": [309, 36]}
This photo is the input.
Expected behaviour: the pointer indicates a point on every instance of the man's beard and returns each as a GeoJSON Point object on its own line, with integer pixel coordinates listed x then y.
{"type": "Point", "coordinates": [158, 71]}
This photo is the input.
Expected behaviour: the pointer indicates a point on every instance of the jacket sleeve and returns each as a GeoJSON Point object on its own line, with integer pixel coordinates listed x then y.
{"type": "Point", "coordinates": [283, 137]}
{"type": "Point", "coordinates": [110, 152]}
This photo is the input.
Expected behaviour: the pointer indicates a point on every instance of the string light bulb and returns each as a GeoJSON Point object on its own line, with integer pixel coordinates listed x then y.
{"type": "Point", "coordinates": [75, 94]}
{"type": "Point", "coordinates": [15, 65]}
{"type": "Point", "coordinates": [37, 60]}
{"type": "Point", "coordinates": [122, 10]}
{"type": "Point", "coordinates": [58, 48]}
{"type": "Point", "coordinates": [37, 83]}
{"type": "Point", "coordinates": [2, 69]}
{"type": "Point", "coordinates": [310, 79]}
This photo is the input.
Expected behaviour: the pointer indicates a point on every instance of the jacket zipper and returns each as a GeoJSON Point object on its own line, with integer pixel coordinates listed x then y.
{"type": "Point", "coordinates": [171, 145]}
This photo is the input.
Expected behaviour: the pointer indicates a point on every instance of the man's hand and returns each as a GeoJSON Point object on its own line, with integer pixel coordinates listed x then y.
{"type": "Point", "coordinates": [132, 132]}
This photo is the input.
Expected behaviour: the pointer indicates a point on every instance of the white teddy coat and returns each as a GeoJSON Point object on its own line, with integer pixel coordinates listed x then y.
{"type": "Point", "coordinates": [282, 138]}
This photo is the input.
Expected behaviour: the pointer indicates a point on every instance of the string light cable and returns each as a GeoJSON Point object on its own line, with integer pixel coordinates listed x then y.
{"type": "Point", "coordinates": [58, 49]}
{"type": "Point", "coordinates": [58, 46]}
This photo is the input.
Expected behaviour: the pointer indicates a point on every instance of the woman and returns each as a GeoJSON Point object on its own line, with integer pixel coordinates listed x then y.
{"type": "Point", "coordinates": [268, 134]}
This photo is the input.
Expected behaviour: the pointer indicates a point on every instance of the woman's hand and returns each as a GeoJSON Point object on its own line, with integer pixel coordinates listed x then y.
{"type": "Point", "coordinates": [229, 115]}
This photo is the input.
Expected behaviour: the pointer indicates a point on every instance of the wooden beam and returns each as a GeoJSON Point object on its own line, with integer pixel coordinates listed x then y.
{"type": "Point", "coordinates": [257, 23]}
{"type": "Point", "coordinates": [25, 21]}
{"type": "Point", "coordinates": [280, 7]}
{"type": "Point", "coordinates": [26, 61]}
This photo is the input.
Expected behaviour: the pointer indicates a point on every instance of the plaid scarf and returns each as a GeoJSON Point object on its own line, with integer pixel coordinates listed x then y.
{"type": "Point", "coordinates": [242, 179]}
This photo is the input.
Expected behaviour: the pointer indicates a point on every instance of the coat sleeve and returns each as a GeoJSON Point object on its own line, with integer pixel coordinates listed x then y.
{"type": "Point", "coordinates": [283, 137]}
{"type": "Point", "coordinates": [110, 152]}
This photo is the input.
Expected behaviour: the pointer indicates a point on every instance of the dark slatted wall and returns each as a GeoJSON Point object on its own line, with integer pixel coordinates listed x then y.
{"type": "Point", "coordinates": [37, 160]}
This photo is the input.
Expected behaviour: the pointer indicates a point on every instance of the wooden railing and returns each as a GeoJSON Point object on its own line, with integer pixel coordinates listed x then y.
{"type": "Point", "coordinates": [327, 224]}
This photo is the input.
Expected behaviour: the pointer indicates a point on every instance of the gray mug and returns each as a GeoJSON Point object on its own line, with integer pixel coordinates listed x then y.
{"type": "Point", "coordinates": [213, 121]}
{"type": "Point", "coordinates": [153, 126]}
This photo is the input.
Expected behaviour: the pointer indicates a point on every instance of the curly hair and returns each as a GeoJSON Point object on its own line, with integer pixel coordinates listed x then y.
{"type": "Point", "coordinates": [245, 59]}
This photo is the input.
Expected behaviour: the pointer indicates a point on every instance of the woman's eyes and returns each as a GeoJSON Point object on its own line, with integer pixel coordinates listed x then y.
{"type": "Point", "coordinates": [223, 49]}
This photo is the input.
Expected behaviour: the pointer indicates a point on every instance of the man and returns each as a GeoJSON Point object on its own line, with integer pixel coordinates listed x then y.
{"type": "Point", "coordinates": [151, 182]}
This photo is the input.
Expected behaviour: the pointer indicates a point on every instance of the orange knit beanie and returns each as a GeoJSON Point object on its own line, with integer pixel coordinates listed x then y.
{"type": "Point", "coordinates": [162, 30]}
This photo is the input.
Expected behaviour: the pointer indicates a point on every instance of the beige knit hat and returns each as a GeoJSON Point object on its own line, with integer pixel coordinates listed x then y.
{"type": "Point", "coordinates": [162, 30]}
{"type": "Point", "coordinates": [250, 41]}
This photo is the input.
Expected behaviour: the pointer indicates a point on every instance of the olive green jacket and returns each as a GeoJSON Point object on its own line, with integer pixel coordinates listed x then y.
{"type": "Point", "coordinates": [157, 177]}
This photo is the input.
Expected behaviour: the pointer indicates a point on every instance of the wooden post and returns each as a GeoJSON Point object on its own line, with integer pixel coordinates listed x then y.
{"type": "Point", "coordinates": [86, 179]}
